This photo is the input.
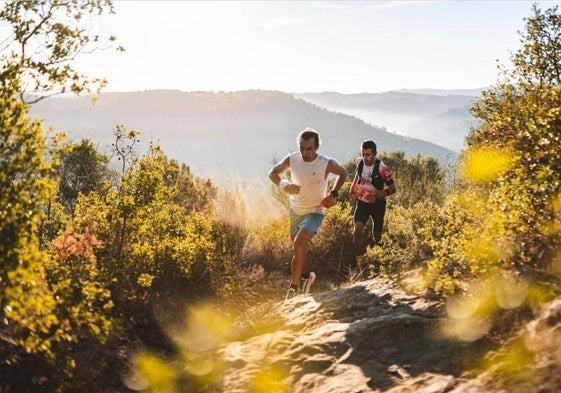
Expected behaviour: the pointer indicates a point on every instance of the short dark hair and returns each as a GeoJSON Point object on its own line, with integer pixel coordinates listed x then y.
{"type": "Point", "coordinates": [369, 144]}
{"type": "Point", "coordinates": [309, 133]}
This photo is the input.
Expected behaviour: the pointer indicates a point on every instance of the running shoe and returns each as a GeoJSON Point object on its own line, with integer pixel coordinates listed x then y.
{"type": "Point", "coordinates": [307, 280]}
{"type": "Point", "coordinates": [292, 292]}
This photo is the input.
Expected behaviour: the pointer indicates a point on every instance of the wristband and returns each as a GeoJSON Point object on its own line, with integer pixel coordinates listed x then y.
{"type": "Point", "coordinates": [283, 184]}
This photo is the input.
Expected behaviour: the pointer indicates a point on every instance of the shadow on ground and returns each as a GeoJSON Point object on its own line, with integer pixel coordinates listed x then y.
{"type": "Point", "coordinates": [367, 337]}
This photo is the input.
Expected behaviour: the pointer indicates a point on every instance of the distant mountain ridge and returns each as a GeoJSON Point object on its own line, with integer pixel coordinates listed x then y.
{"type": "Point", "coordinates": [443, 92]}
{"type": "Point", "coordinates": [227, 135]}
{"type": "Point", "coordinates": [439, 116]}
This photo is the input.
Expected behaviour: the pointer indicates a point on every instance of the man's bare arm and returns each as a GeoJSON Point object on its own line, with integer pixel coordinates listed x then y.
{"type": "Point", "coordinates": [338, 170]}
{"type": "Point", "coordinates": [277, 170]}
{"type": "Point", "coordinates": [275, 176]}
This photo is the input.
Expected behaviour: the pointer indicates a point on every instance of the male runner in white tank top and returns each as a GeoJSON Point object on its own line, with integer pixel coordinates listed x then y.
{"type": "Point", "coordinates": [308, 200]}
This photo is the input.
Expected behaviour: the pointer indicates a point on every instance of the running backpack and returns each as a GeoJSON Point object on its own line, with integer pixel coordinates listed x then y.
{"type": "Point", "coordinates": [377, 180]}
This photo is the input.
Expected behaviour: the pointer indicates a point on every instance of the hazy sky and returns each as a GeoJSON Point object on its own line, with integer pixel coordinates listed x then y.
{"type": "Point", "coordinates": [309, 46]}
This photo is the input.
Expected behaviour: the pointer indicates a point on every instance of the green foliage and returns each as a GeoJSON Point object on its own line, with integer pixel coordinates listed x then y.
{"type": "Point", "coordinates": [25, 303]}
{"type": "Point", "coordinates": [23, 177]}
{"type": "Point", "coordinates": [423, 178]}
{"type": "Point", "coordinates": [73, 276]}
{"type": "Point", "coordinates": [55, 314]}
{"type": "Point", "coordinates": [43, 321]}
{"type": "Point", "coordinates": [82, 170]}
{"type": "Point", "coordinates": [501, 212]}
{"type": "Point", "coordinates": [124, 147]}
{"type": "Point", "coordinates": [407, 239]}
{"type": "Point", "coordinates": [84, 311]}
{"type": "Point", "coordinates": [55, 219]}
{"type": "Point", "coordinates": [538, 63]}
{"type": "Point", "coordinates": [163, 240]}
{"type": "Point", "coordinates": [125, 262]}
{"type": "Point", "coordinates": [44, 38]}
{"type": "Point", "coordinates": [193, 194]}
{"type": "Point", "coordinates": [500, 243]}
{"type": "Point", "coordinates": [268, 244]}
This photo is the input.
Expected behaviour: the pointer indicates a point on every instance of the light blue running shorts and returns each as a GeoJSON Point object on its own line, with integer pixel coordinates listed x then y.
{"type": "Point", "coordinates": [311, 222]}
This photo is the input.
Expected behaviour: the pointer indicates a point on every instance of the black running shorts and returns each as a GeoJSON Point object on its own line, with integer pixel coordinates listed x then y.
{"type": "Point", "coordinates": [376, 210]}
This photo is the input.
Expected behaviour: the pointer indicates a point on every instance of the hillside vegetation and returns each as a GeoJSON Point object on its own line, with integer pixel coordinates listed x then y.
{"type": "Point", "coordinates": [106, 273]}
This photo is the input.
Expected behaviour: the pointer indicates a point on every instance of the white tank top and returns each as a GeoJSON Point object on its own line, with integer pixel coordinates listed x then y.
{"type": "Point", "coordinates": [312, 178]}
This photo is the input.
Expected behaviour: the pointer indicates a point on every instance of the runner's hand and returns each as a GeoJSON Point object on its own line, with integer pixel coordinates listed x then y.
{"type": "Point", "coordinates": [292, 188]}
{"type": "Point", "coordinates": [329, 201]}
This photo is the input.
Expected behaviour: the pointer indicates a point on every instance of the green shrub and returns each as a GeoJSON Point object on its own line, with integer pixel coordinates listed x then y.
{"type": "Point", "coordinates": [268, 244]}
{"type": "Point", "coordinates": [501, 214]}
{"type": "Point", "coordinates": [406, 241]}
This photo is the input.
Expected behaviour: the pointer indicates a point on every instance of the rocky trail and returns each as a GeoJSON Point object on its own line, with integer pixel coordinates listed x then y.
{"type": "Point", "coordinates": [367, 337]}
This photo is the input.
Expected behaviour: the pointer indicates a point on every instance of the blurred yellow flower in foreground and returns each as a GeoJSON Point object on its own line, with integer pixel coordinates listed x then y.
{"type": "Point", "coordinates": [486, 164]}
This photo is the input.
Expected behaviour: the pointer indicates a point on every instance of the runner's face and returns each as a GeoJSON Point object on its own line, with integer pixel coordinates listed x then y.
{"type": "Point", "coordinates": [368, 156]}
{"type": "Point", "coordinates": [308, 149]}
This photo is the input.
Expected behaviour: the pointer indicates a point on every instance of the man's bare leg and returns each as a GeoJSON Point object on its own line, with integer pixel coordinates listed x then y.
{"type": "Point", "coordinates": [298, 264]}
{"type": "Point", "coordinates": [359, 248]}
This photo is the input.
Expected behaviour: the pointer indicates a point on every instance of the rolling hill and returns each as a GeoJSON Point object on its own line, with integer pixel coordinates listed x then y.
{"type": "Point", "coordinates": [438, 116]}
{"type": "Point", "coordinates": [228, 136]}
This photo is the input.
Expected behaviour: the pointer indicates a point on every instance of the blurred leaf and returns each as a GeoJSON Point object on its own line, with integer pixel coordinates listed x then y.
{"type": "Point", "coordinates": [486, 164]}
